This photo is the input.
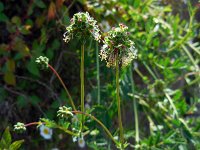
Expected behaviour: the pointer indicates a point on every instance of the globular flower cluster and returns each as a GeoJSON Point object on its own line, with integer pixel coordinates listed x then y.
{"type": "Point", "coordinates": [20, 127]}
{"type": "Point", "coordinates": [64, 112]}
{"type": "Point", "coordinates": [43, 62]}
{"type": "Point", "coordinates": [82, 26]}
{"type": "Point", "coordinates": [117, 45]}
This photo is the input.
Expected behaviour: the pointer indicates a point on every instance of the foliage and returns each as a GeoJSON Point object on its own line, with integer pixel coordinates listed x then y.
{"type": "Point", "coordinates": [6, 141]}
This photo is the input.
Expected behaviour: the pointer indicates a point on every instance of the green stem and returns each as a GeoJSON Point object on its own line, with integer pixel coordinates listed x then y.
{"type": "Point", "coordinates": [82, 82]}
{"type": "Point", "coordinates": [172, 104]}
{"type": "Point", "coordinates": [118, 103]}
{"type": "Point", "coordinates": [64, 86]}
{"type": "Point", "coordinates": [150, 71]}
{"type": "Point", "coordinates": [137, 137]}
{"type": "Point", "coordinates": [59, 127]}
{"type": "Point", "coordinates": [98, 73]}
{"type": "Point", "coordinates": [99, 122]}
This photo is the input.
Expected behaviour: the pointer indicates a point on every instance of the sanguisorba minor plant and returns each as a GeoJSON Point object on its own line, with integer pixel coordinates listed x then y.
{"type": "Point", "coordinates": [82, 27]}
{"type": "Point", "coordinates": [118, 51]}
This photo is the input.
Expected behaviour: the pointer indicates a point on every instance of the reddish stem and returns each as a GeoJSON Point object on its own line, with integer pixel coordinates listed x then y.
{"type": "Point", "coordinates": [63, 84]}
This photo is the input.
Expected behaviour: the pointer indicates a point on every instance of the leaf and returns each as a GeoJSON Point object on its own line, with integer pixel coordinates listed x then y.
{"type": "Point", "coordinates": [40, 3]}
{"type": "Point", "coordinates": [20, 46]}
{"type": "Point", "coordinates": [21, 101]}
{"type": "Point", "coordinates": [9, 78]}
{"type": "Point", "coordinates": [136, 3]}
{"type": "Point", "coordinates": [16, 20]}
{"type": "Point", "coordinates": [10, 65]}
{"type": "Point", "coordinates": [35, 100]}
{"type": "Point", "coordinates": [51, 11]}
{"type": "Point", "coordinates": [48, 123]}
{"type": "Point", "coordinates": [6, 138]}
{"type": "Point", "coordinates": [16, 145]}
{"type": "Point", "coordinates": [3, 17]}
{"type": "Point", "coordinates": [55, 45]}
{"type": "Point", "coordinates": [32, 68]}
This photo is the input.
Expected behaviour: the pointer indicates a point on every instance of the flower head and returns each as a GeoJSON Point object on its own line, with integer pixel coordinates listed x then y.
{"type": "Point", "coordinates": [64, 112]}
{"type": "Point", "coordinates": [82, 26]}
{"type": "Point", "coordinates": [46, 132]}
{"type": "Point", "coordinates": [81, 142]}
{"type": "Point", "coordinates": [43, 62]}
{"type": "Point", "coordinates": [20, 127]}
{"type": "Point", "coordinates": [88, 98]}
{"type": "Point", "coordinates": [118, 45]}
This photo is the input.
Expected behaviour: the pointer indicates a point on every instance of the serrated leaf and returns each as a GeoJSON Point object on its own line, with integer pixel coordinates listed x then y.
{"type": "Point", "coordinates": [9, 78]}
{"type": "Point", "coordinates": [48, 123]}
{"type": "Point", "coordinates": [16, 145]}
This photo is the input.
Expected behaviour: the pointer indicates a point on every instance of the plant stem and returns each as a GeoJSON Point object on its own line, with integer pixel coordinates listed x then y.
{"type": "Point", "coordinates": [98, 73]}
{"type": "Point", "coordinates": [82, 81]}
{"type": "Point", "coordinates": [99, 122]}
{"type": "Point", "coordinates": [64, 86]}
{"type": "Point", "coordinates": [137, 137]}
{"type": "Point", "coordinates": [118, 103]}
{"type": "Point", "coordinates": [32, 123]}
{"type": "Point", "coordinates": [172, 104]}
{"type": "Point", "coordinates": [67, 131]}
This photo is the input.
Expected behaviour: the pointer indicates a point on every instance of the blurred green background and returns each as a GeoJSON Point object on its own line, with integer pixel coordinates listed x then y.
{"type": "Point", "coordinates": [166, 34]}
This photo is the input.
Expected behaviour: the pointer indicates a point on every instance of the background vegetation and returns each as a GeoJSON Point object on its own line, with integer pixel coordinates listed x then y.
{"type": "Point", "coordinates": [166, 34]}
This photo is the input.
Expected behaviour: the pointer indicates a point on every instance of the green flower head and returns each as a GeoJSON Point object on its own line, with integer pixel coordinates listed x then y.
{"type": "Point", "coordinates": [19, 127]}
{"type": "Point", "coordinates": [82, 26]}
{"type": "Point", "coordinates": [118, 44]}
{"type": "Point", "coordinates": [43, 62]}
{"type": "Point", "coordinates": [64, 112]}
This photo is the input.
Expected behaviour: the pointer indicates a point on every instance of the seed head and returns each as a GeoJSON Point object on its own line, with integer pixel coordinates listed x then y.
{"type": "Point", "coordinates": [19, 127]}
{"type": "Point", "coordinates": [43, 62]}
{"type": "Point", "coordinates": [64, 112]}
{"type": "Point", "coordinates": [82, 26]}
{"type": "Point", "coordinates": [117, 43]}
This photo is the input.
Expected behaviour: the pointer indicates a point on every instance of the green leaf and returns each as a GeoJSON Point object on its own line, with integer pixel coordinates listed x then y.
{"type": "Point", "coordinates": [9, 78]}
{"type": "Point", "coordinates": [35, 100]}
{"type": "Point", "coordinates": [32, 68]}
{"type": "Point", "coordinates": [10, 65]}
{"type": "Point", "coordinates": [16, 20]}
{"type": "Point", "coordinates": [3, 17]}
{"type": "Point", "coordinates": [16, 145]}
{"type": "Point", "coordinates": [21, 101]}
{"type": "Point", "coordinates": [6, 138]}
{"type": "Point", "coordinates": [48, 123]}
{"type": "Point", "coordinates": [55, 45]}
{"type": "Point", "coordinates": [40, 3]}
{"type": "Point", "coordinates": [136, 3]}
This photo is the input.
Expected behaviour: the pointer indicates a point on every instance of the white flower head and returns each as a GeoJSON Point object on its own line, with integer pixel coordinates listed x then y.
{"type": "Point", "coordinates": [88, 98]}
{"type": "Point", "coordinates": [105, 26]}
{"type": "Point", "coordinates": [46, 132]}
{"type": "Point", "coordinates": [74, 138]}
{"type": "Point", "coordinates": [55, 148]}
{"type": "Point", "coordinates": [87, 106]}
{"type": "Point", "coordinates": [74, 119]}
{"type": "Point", "coordinates": [81, 142]}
